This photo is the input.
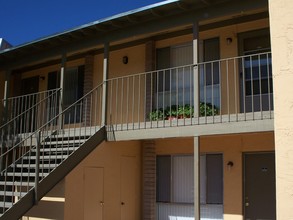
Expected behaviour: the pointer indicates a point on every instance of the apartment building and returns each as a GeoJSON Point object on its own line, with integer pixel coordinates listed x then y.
{"type": "Point", "coordinates": [178, 110]}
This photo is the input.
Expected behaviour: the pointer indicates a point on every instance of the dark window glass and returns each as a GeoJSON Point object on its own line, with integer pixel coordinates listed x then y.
{"type": "Point", "coordinates": [211, 55]}
{"type": "Point", "coordinates": [163, 179]}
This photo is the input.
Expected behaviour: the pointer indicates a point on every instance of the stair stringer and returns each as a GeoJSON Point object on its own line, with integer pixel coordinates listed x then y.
{"type": "Point", "coordinates": [30, 199]}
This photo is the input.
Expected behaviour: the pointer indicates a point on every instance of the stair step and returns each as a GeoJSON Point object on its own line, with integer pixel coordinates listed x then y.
{"type": "Point", "coordinates": [6, 204]}
{"type": "Point", "coordinates": [59, 141]}
{"type": "Point", "coordinates": [42, 166]}
{"type": "Point", "coordinates": [46, 157]}
{"type": "Point", "coordinates": [11, 194]}
{"type": "Point", "coordinates": [16, 183]}
{"type": "Point", "coordinates": [59, 148]}
{"type": "Point", "coordinates": [24, 174]}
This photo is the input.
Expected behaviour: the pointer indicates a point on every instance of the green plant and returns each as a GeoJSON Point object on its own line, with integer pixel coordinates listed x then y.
{"type": "Point", "coordinates": [207, 109]}
{"type": "Point", "coordinates": [183, 111]}
{"type": "Point", "coordinates": [157, 115]}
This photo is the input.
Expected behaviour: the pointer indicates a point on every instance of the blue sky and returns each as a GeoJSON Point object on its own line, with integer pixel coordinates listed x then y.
{"type": "Point", "coordinates": [23, 21]}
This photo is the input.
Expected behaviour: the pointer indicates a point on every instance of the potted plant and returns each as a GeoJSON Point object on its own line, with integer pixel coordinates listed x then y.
{"type": "Point", "coordinates": [157, 114]}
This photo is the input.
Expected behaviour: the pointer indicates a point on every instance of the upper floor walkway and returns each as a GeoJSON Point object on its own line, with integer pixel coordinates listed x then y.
{"type": "Point", "coordinates": [222, 96]}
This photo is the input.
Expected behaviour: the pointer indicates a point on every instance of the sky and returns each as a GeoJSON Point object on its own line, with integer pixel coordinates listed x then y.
{"type": "Point", "coordinates": [23, 21]}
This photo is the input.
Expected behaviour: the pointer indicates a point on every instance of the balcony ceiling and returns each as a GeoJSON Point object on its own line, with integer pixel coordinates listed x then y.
{"type": "Point", "coordinates": [104, 27]}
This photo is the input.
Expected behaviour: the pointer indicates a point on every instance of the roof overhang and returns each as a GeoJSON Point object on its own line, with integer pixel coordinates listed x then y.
{"type": "Point", "coordinates": [154, 18]}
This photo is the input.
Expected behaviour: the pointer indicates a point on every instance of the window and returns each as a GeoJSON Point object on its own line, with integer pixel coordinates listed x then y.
{"type": "Point", "coordinates": [210, 71]}
{"type": "Point", "coordinates": [73, 91]}
{"type": "Point", "coordinates": [174, 86]}
{"type": "Point", "coordinates": [175, 179]}
{"type": "Point", "coordinates": [256, 83]}
{"type": "Point", "coordinates": [211, 52]}
{"type": "Point", "coordinates": [211, 179]}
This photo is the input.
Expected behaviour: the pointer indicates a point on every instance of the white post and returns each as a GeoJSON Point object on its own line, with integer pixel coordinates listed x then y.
{"type": "Point", "coordinates": [196, 179]}
{"type": "Point", "coordinates": [105, 78]}
{"type": "Point", "coordinates": [62, 71]}
{"type": "Point", "coordinates": [5, 93]}
{"type": "Point", "coordinates": [195, 71]}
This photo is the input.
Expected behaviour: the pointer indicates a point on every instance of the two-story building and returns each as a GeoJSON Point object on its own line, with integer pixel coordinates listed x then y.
{"type": "Point", "coordinates": [164, 112]}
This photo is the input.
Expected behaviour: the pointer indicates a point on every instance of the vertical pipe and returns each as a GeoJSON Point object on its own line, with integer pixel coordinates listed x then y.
{"type": "Point", "coordinates": [195, 70]}
{"type": "Point", "coordinates": [105, 78]}
{"type": "Point", "coordinates": [196, 179]}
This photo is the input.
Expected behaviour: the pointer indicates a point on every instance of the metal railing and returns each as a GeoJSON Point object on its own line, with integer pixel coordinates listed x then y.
{"type": "Point", "coordinates": [37, 154]}
{"type": "Point", "coordinates": [21, 111]}
{"type": "Point", "coordinates": [24, 118]}
{"type": "Point", "coordinates": [232, 89]}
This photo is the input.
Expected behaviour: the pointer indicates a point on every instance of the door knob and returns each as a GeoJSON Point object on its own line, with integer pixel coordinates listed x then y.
{"type": "Point", "coordinates": [247, 204]}
{"type": "Point", "coordinates": [102, 203]}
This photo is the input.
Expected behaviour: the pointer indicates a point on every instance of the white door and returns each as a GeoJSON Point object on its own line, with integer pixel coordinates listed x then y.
{"type": "Point", "coordinates": [93, 193]}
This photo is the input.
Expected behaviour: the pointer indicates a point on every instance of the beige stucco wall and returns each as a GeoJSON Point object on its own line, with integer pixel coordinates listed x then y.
{"type": "Point", "coordinates": [126, 95]}
{"type": "Point", "coordinates": [232, 147]}
{"type": "Point", "coordinates": [281, 22]}
{"type": "Point", "coordinates": [108, 156]}
{"type": "Point", "coordinates": [50, 207]}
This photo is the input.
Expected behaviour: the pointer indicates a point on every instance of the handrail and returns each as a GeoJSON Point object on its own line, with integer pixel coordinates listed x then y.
{"type": "Point", "coordinates": [31, 94]}
{"type": "Point", "coordinates": [188, 65]}
{"type": "Point", "coordinates": [34, 133]}
{"type": "Point", "coordinates": [49, 148]}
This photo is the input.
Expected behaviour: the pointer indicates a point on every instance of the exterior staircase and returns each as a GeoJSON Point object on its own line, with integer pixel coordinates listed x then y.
{"type": "Point", "coordinates": [32, 163]}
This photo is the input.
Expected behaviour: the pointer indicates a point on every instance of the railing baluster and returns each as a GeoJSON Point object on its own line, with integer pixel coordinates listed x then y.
{"type": "Point", "coordinates": [260, 87]}
{"type": "Point", "coordinates": [251, 83]}
{"type": "Point", "coordinates": [37, 170]}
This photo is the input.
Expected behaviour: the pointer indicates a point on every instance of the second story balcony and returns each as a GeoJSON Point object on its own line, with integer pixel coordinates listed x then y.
{"type": "Point", "coordinates": [224, 91]}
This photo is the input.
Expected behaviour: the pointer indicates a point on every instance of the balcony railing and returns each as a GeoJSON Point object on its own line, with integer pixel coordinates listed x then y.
{"type": "Point", "coordinates": [23, 109]}
{"type": "Point", "coordinates": [228, 90]}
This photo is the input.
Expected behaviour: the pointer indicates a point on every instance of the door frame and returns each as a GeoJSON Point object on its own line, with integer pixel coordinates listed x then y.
{"type": "Point", "coordinates": [243, 173]}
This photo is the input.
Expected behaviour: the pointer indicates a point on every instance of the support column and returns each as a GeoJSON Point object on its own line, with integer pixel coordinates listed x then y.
{"type": "Point", "coordinates": [105, 78]}
{"type": "Point", "coordinates": [196, 179]}
{"type": "Point", "coordinates": [149, 180]}
{"type": "Point", "coordinates": [62, 71]}
{"type": "Point", "coordinates": [195, 71]}
{"type": "Point", "coordinates": [5, 97]}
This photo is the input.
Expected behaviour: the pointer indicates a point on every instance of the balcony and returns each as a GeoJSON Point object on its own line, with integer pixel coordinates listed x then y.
{"type": "Point", "coordinates": [221, 92]}
{"type": "Point", "coordinates": [229, 90]}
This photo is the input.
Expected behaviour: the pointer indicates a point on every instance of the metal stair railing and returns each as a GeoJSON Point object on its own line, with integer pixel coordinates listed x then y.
{"type": "Point", "coordinates": [30, 119]}
{"type": "Point", "coordinates": [35, 156]}
{"type": "Point", "coordinates": [20, 118]}
{"type": "Point", "coordinates": [14, 107]}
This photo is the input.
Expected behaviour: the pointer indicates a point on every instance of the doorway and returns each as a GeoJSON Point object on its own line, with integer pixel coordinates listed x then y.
{"type": "Point", "coordinates": [26, 104]}
{"type": "Point", "coordinates": [129, 203]}
{"type": "Point", "coordinates": [93, 193]}
{"type": "Point", "coordinates": [259, 186]}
